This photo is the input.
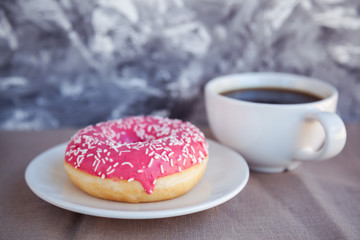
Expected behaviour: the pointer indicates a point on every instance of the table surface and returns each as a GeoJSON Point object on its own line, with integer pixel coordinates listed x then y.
{"type": "Point", "coordinates": [318, 200]}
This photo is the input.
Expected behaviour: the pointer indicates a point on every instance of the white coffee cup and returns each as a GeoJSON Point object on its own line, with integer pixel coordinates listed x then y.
{"type": "Point", "coordinates": [275, 137]}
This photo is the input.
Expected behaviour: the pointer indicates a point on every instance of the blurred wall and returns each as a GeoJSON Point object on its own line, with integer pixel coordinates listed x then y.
{"type": "Point", "coordinates": [69, 63]}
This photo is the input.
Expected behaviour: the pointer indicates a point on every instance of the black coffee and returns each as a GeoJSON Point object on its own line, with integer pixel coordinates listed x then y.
{"type": "Point", "coordinates": [272, 95]}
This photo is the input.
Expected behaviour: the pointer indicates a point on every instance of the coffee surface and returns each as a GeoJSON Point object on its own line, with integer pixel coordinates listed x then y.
{"type": "Point", "coordinates": [272, 95]}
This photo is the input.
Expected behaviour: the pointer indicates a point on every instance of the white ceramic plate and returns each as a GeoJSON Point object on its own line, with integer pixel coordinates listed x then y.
{"type": "Point", "coordinates": [226, 175]}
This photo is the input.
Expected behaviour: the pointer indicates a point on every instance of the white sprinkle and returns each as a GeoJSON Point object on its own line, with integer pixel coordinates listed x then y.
{"type": "Point", "coordinates": [192, 148]}
{"type": "Point", "coordinates": [170, 154]}
{"type": "Point", "coordinates": [115, 165]}
{"type": "Point", "coordinates": [151, 191]}
{"type": "Point", "coordinates": [103, 176]}
{"type": "Point", "coordinates": [108, 169]}
{"type": "Point", "coordinates": [151, 162]}
{"type": "Point", "coordinates": [147, 151]}
{"type": "Point", "coordinates": [158, 147]}
{"type": "Point", "coordinates": [154, 182]}
{"type": "Point", "coordinates": [157, 156]}
{"type": "Point", "coordinates": [184, 162]}
{"type": "Point", "coordinates": [127, 163]}
{"type": "Point", "coordinates": [97, 164]}
{"type": "Point", "coordinates": [130, 179]}
{"type": "Point", "coordinates": [90, 155]}
{"type": "Point", "coordinates": [179, 159]}
{"type": "Point", "coordinates": [98, 154]}
{"type": "Point", "coordinates": [179, 168]}
{"type": "Point", "coordinates": [163, 153]}
{"type": "Point", "coordinates": [70, 159]}
{"type": "Point", "coordinates": [152, 153]}
{"type": "Point", "coordinates": [162, 169]}
{"type": "Point", "coordinates": [110, 172]}
{"type": "Point", "coordinates": [201, 154]}
{"type": "Point", "coordinates": [113, 147]}
{"type": "Point", "coordinates": [140, 171]}
{"type": "Point", "coordinates": [79, 159]}
{"type": "Point", "coordinates": [108, 153]}
{"type": "Point", "coordinates": [105, 150]}
{"type": "Point", "coordinates": [171, 162]}
{"type": "Point", "coordinates": [94, 163]}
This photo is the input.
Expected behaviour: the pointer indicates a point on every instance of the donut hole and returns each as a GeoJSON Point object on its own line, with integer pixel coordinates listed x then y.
{"type": "Point", "coordinates": [129, 137]}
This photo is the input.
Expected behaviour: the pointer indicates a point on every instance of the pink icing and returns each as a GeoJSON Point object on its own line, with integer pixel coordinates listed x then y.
{"type": "Point", "coordinates": [140, 148]}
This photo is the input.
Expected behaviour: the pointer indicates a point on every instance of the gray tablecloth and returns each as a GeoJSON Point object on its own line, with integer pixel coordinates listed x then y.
{"type": "Point", "coordinates": [319, 200]}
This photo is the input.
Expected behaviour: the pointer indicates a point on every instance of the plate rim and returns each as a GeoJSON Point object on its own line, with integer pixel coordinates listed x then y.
{"type": "Point", "coordinates": [120, 214]}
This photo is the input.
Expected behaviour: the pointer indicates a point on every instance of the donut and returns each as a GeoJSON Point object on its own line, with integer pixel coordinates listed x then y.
{"type": "Point", "coordinates": [137, 159]}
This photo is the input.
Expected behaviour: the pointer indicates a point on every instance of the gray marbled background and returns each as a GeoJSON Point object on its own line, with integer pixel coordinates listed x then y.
{"type": "Point", "coordinates": [66, 63]}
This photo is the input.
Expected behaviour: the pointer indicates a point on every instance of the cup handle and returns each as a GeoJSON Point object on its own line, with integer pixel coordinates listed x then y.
{"type": "Point", "coordinates": [335, 137]}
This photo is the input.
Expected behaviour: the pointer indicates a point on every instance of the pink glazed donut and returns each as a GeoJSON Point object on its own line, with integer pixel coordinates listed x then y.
{"type": "Point", "coordinates": [137, 159]}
